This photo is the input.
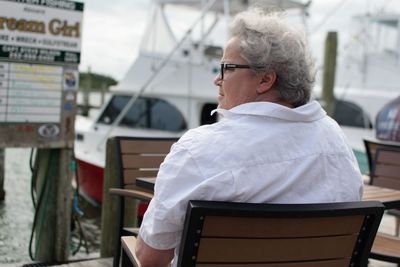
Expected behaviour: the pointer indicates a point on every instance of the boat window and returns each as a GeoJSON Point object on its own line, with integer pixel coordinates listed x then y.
{"type": "Point", "coordinates": [114, 107]}
{"type": "Point", "coordinates": [152, 113]}
{"type": "Point", "coordinates": [350, 114]}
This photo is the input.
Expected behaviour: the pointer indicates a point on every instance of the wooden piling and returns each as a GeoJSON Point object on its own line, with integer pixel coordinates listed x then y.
{"type": "Point", "coordinates": [2, 174]}
{"type": "Point", "coordinates": [63, 206]}
{"type": "Point", "coordinates": [328, 98]}
{"type": "Point", "coordinates": [53, 215]}
{"type": "Point", "coordinates": [111, 204]}
{"type": "Point", "coordinates": [109, 208]}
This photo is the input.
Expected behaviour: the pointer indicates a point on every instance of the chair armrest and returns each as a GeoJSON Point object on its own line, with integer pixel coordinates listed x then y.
{"type": "Point", "coordinates": [128, 247]}
{"type": "Point", "coordinates": [131, 193]}
{"type": "Point", "coordinates": [366, 178]}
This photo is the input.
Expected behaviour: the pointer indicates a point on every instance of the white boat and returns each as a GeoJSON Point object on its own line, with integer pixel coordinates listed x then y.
{"type": "Point", "coordinates": [169, 87]}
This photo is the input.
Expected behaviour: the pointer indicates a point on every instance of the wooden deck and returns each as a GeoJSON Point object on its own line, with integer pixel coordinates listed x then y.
{"type": "Point", "coordinates": [104, 262]}
{"type": "Point", "coordinates": [101, 262]}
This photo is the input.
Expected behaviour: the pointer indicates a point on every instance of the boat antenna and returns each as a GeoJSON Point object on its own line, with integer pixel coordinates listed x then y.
{"type": "Point", "coordinates": [133, 99]}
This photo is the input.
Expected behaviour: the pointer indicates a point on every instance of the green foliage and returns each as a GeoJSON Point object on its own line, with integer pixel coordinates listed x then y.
{"type": "Point", "coordinates": [94, 81]}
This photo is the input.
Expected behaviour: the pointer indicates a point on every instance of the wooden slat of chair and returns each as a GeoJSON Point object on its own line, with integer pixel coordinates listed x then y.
{"type": "Point", "coordinates": [140, 145]}
{"type": "Point", "coordinates": [389, 156]}
{"type": "Point", "coordinates": [140, 161]}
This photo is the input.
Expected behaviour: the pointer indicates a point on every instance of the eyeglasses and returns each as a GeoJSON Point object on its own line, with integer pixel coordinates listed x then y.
{"type": "Point", "coordinates": [227, 66]}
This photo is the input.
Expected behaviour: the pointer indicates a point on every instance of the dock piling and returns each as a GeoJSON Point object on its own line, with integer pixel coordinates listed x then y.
{"type": "Point", "coordinates": [329, 73]}
{"type": "Point", "coordinates": [53, 217]}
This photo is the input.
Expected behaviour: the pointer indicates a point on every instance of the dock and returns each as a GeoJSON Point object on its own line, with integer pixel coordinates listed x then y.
{"type": "Point", "coordinates": [101, 262]}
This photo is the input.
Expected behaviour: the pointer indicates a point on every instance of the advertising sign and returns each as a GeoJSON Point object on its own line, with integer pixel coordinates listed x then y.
{"type": "Point", "coordinates": [40, 43]}
{"type": "Point", "coordinates": [45, 31]}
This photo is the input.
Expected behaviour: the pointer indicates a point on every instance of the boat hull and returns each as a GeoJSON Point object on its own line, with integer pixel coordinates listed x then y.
{"type": "Point", "coordinates": [90, 181]}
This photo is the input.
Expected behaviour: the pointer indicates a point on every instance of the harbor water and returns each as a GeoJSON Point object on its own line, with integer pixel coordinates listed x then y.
{"type": "Point", "coordinates": [17, 213]}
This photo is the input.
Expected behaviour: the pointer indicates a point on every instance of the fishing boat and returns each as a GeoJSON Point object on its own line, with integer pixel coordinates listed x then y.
{"type": "Point", "coordinates": [169, 87]}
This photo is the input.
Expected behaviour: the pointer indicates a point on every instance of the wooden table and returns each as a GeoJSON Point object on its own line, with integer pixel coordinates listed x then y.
{"type": "Point", "coordinates": [146, 182]}
{"type": "Point", "coordinates": [389, 197]}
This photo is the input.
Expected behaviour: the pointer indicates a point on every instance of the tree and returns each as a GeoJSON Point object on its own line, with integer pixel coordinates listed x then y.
{"type": "Point", "coordinates": [94, 81]}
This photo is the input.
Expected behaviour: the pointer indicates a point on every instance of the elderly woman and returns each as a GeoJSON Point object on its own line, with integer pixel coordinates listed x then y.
{"type": "Point", "coordinates": [271, 145]}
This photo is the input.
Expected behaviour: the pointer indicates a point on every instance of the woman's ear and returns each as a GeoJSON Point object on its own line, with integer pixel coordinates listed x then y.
{"type": "Point", "coordinates": [267, 81]}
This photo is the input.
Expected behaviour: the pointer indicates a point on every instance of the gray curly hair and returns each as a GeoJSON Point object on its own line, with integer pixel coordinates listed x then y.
{"type": "Point", "coordinates": [268, 41]}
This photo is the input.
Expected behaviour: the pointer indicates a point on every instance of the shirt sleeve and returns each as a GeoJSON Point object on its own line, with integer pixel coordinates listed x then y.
{"type": "Point", "coordinates": [178, 180]}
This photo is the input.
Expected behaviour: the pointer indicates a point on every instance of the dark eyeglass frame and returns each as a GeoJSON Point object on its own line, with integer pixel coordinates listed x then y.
{"type": "Point", "coordinates": [228, 66]}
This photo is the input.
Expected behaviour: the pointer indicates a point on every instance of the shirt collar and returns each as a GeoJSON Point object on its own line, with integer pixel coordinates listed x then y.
{"type": "Point", "coordinates": [309, 112]}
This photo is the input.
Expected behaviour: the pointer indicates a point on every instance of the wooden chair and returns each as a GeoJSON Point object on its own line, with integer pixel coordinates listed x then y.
{"type": "Point", "coordinates": [384, 165]}
{"type": "Point", "coordinates": [135, 157]}
{"type": "Point", "coordinates": [371, 146]}
{"type": "Point", "coordinates": [384, 162]}
{"type": "Point", "coordinates": [227, 234]}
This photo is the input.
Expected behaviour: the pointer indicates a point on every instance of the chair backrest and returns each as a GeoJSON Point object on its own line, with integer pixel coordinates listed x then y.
{"type": "Point", "coordinates": [140, 157]}
{"type": "Point", "coordinates": [372, 144]}
{"type": "Point", "coordinates": [228, 234]}
{"type": "Point", "coordinates": [386, 171]}
{"type": "Point", "coordinates": [384, 163]}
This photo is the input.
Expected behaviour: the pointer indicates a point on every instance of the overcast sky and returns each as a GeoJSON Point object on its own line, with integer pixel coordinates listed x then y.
{"type": "Point", "coordinates": [112, 30]}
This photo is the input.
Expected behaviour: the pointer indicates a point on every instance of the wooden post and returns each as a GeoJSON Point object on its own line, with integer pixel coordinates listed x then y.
{"type": "Point", "coordinates": [110, 205]}
{"type": "Point", "coordinates": [2, 174]}
{"type": "Point", "coordinates": [328, 98]}
{"type": "Point", "coordinates": [54, 190]}
{"type": "Point", "coordinates": [64, 205]}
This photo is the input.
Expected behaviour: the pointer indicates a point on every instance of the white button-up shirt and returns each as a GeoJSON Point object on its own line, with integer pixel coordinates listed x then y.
{"type": "Point", "coordinates": [258, 152]}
